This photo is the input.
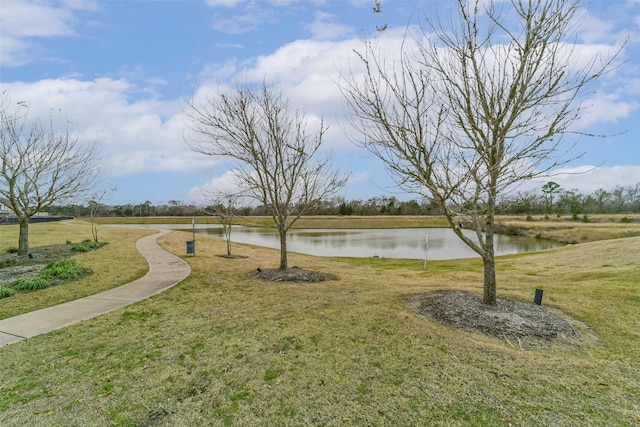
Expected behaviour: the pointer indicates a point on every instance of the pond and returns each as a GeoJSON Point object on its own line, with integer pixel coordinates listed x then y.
{"type": "Point", "coordinates": [410, 243]}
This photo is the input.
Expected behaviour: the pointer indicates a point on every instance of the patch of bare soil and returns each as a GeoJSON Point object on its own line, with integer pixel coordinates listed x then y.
{"type": "Point", "coordinates": [523, 325]}
{"type": "Point", "coordinates": [233, 256]}
{"type": "Point", "coordinates": [294, 274]}
{"type": "Point", "coordinates": [13, 266]}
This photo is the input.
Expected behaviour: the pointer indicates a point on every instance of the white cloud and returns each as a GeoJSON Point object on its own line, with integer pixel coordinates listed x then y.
{"type": "Point", "coordinates": [589, 178]}
{"type": "Point", "coordinates": [14, 51]}
{"type": "Point", "coordinates": [21, 22]}
{"type": "Point", "coordinates": [133, 136]}
{"type": "Point", "coordinates": [147, 135]}
{"type": "Point", "coordinates": [324, 27]}
{"type": "Point", "coordinates": [595, 30]}
{"type": "Point", "coordinates": [236, 24]}
{"type": "Point", "coordinates": [310, 71]}
{"type": "Point", "coordinates": [236, 3]}
{"type": "Point", "coordinates": [217, 187]}
{"type": "Point", "coordinates": [606, 108]}
{"type": "Point", "coordinates": [224, 3]}
{"type": "Point", "coordinates": [89, 5]}
{"type": "Point", "coordinates": [307, 71]}
{"type": "Point", "coordinates": [253, 16]}
{"type": "Point", "coordinates": [22, 19]}
{"type": "Point", "coordinates": [359, 177]}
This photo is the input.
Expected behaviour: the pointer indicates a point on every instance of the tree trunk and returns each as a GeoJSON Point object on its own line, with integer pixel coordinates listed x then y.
{"type": "Point", "coordinates": [23, 239]}
{"type": "Point", "coordinates": [283, 249]}
{"type": "Point", "coordinates": [227, 236]}
{"type": "Point", "coordinates": [489, 297]}
{"type": "Point", "coordinates": [489, 262]}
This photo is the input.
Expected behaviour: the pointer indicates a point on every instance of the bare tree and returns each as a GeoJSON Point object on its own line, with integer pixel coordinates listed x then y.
{"type": "Point", "coordinates": [40, 164]}
{"type": "Point", "coordinates": [95, 203]}
{"type": "Point", "coordinates": [632, 193]}
{"type": "Point", "coordinates": [618, 198]}
{"type": "Point", "coordinates": [225, 207]}
{"type": "Point", "coordinates": [601, 197]}
{"type": "Point", "coordinates": [275, 154]}
{"type": "Point", "coordinates": [475, 106]}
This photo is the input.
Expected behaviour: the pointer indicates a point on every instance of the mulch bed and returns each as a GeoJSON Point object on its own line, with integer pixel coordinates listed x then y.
{"type": "Point", "coordinates": [293, 274]}
{"type": "Point", "coordinates": [521, 324]}
{"type": "Point", "coordinates": [15, 266]}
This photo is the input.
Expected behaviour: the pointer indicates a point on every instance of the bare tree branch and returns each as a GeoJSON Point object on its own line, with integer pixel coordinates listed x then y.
{"type": "Point", "coordinates": [274, 152]}
{"type": "Point", "coordinates": [475, 106]}
{"type": "Point", "coordinates": [41, 163]}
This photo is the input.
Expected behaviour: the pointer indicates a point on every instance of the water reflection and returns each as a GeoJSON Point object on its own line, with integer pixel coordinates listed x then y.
{"type": "Point", "coordinates": [407, 243]}
{"type": "Point", "coordinates": [388, 243]}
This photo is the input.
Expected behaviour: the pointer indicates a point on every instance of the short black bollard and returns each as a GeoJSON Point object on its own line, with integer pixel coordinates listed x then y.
{"type": "Point", "coordinates": [538, 298]}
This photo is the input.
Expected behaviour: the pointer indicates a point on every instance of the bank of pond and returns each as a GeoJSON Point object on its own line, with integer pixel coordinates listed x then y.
{"type": "Point", "coordinates": [407, 243]}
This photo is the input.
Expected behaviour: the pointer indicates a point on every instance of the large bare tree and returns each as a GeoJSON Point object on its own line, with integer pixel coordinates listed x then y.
{"type": "Point", "coordinates": [40, 163]}
{"type": "Point", "coordinates": [474, 106]}
{"type": "Point", "coordinates": [273, 150]}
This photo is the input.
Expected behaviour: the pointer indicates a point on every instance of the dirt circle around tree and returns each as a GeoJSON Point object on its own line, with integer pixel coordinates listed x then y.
{"type": "Point", "coordinates": [293, 274]}
{"type": "Point", "coordinates": [521, 324]}
{"type": "Point", "coordinates": [233, 256]}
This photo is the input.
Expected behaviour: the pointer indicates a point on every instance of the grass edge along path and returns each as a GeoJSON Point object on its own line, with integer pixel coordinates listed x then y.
{"type": "Point", "coordinates": [222, 348]}
{"type": "Point", "coordinates": [165, 271]}
{"type": "Point", "coordinates": [114, 264]}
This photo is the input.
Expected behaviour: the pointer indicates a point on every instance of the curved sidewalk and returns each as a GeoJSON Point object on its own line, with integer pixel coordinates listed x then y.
{"type": "Point", "coordinates": [165, 270]}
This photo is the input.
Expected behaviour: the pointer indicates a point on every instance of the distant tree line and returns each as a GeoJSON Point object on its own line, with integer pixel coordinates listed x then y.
{"type": "Point", "coordinates": [549, 200]}
{"type": "Point", "coordinates": [552, 199]}
{"type": "Point", "coordinates": [334, 206]}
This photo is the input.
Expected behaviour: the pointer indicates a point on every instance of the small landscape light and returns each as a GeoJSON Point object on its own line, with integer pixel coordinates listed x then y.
{"type": "Point", "coordinates": [538, 298]}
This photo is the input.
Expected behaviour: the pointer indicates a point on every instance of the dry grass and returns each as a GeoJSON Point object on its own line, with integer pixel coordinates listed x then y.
{"type": "Point", "coordinates": [566, 230]}
{"type": "Point", "coordinates": [223, 348]}
{"type": "Point", "coordinates": [112, 265]}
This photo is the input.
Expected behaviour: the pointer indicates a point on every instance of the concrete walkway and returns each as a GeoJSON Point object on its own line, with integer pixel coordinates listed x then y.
{"type": "Point", "coordinates": [165, 270]}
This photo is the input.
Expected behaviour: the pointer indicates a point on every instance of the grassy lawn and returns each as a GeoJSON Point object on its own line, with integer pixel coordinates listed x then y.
{"type": "Point", "coordinates": [112, 265]}
{"type": "Point", "coordinates": [223, 348]}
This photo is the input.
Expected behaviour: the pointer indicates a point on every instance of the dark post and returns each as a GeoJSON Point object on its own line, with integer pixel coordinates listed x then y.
{"type": "Point", "coordinates": [538, 298]}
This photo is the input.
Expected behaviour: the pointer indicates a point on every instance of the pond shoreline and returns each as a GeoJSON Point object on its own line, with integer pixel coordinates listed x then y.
{"type": "Point", "coordinates": [399, 243]}
{"type": "Point", "coordinates": [560, 229]}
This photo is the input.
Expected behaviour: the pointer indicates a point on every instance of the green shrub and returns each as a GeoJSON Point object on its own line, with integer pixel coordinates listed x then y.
{"type": "Point", "coordinates": [6, 292]}
{"type": "Point", "coordinates": [30, 284]}
{"type": "Point", "coordinates": [13, 250]}
{"type": "Point", "coordinates": [585, 218]}
{"type": "Point", "coordinates": [85, 246]}
{"type": "Point", "coordinates": [626, 220]}
{"type": "Point", "coordinates": [529, 218]}
{"type": "Point", "coordinates": [63, 269]}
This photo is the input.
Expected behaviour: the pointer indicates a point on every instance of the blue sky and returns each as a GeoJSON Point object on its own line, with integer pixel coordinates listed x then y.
{"type": "Point", "coordinates": [121, 71]}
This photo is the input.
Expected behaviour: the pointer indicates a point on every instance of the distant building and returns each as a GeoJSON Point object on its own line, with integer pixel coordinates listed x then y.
{"type": "Point", "coordinates": [7, 216]}
{"type": "Point", "coordinates": [4, 209]}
